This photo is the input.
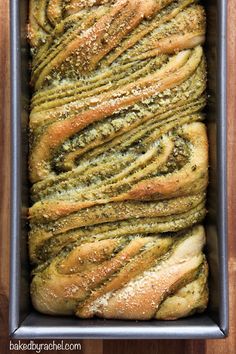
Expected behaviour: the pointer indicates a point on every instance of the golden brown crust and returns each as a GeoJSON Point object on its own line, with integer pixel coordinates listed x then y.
{"type": "Point", "coordinates": [144, 268]}
{"type": "Point", "coordinates": [58, 132]}
{"type": "Point", "coordinates": [192, 298]}
{"type": "Point", "coordinates": [54, 11]}
{"type": "Point", "coordinates": [118, 158]}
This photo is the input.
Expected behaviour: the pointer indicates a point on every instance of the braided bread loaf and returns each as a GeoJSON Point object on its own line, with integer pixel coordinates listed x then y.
{"type": "Point", "coordinates": [118, 159]}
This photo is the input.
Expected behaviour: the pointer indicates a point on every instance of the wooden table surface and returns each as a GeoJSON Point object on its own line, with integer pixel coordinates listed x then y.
{"type": "Point", "coordinates": [223, 346]}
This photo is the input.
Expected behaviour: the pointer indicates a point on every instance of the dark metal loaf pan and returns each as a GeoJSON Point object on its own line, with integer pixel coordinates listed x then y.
{"type": "Point", "coordinates": [27, 323]}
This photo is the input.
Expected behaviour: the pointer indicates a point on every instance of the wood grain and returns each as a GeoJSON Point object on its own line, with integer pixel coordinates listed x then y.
{"type": "Point", "coordinates": [225, 346]}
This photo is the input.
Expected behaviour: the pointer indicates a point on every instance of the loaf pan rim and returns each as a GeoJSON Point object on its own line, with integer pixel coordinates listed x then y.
{"type": "Point", "coordinates": [18, 329]}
